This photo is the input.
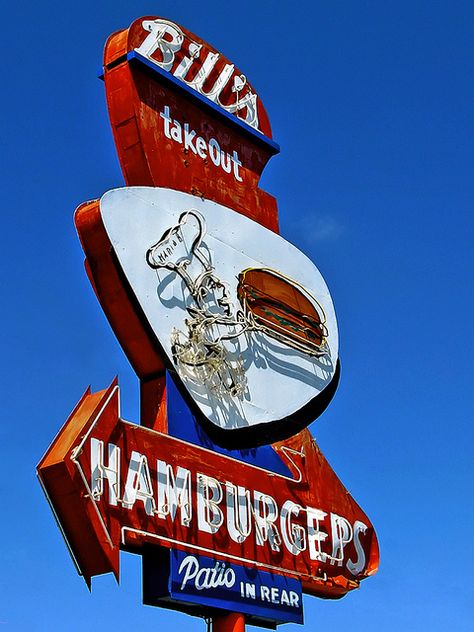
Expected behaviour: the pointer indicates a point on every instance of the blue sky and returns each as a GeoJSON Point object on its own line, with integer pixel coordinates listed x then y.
{"type": "Point", "coordinates": [372, 104]}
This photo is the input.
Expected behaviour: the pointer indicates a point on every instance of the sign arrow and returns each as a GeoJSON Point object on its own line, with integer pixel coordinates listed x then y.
{"type": "Point", "coordinates": [115, 485]}
{"type": "Point", "coordinates": [90, 544]}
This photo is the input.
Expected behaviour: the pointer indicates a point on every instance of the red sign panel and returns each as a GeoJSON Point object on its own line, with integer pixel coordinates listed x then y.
{"type": "Point", "coordinates": [168, 89]}
{"type": "Point", "coordinates": [118, 485]}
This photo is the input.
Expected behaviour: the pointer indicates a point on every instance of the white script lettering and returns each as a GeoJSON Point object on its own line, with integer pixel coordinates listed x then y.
{"type": "Point", "coordinates": [183, 135]}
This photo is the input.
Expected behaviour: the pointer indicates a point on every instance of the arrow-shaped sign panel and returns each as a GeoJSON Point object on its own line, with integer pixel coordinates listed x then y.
{"type": "Point", "coordinates": [113, 485]}
{"type": "Point", "coordinates": [93, 548]}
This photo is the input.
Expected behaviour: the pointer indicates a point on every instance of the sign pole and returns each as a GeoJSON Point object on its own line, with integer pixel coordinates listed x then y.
{"type": "Point", "coordinates": [232, 622]}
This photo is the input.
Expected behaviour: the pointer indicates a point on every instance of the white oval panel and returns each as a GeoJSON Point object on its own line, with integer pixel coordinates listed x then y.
{"type": "Point", "coordinates": [244, 361]}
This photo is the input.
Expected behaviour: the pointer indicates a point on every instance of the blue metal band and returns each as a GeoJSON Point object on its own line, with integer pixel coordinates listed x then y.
{"type": "Point", "coordinates": [256, 136]}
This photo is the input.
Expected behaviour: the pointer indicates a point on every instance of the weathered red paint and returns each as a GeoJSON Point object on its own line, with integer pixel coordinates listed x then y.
{"type": "Point", "coordinates": [148, 158]}
{"type": "Point", "coordinates": [135, 98]}
{"type": "Point", "coordinates": [136, 339]}
{"type": "Point", "coordinates": [97, 530]}
{"type": "Point", "coordinates": [62, 483]}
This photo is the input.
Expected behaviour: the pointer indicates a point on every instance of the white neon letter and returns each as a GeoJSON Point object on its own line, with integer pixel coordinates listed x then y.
{"type": "Point", "coordinates": [266, 514]}
{"type": "Point", "coordinates": [209, 496]}
{"type": "Point", "coordinates": [293, 535]}
{"type": "Point", "coordinates": [238, 512]}
{"type": "Point", "coordinates": [176, 132]}
{"type": "Point", "coordinates": [99, 470]}
{"type": "Point", "coordinates": [315, 535]}
{"type": "Point", "coordinates": [221, 82]}
{"type": "Point", "coordinates": [190, 566]}
{"type": "Point", "coordinates": [174, 492]}
{"type": "Point", "coordinates": [203, 72]}
{"type": "Point", "coordinates": [215, 152]}
{"type": "Point", "coordinates": [356, 567]}
{"type": "Point", "coordinates": [165, 115]}
{"type": "Point", "coordinates": [185, 64]}
{"type": "Point", "coordinates": [157, 39]}
{"type": "Point", "coordinates": [341, 530]}
{"type": "Point", "coordinates": [237, 164]}
{"type": "Point", "coordinates": [138, 485]}
{"type": "Point", "coordinates": [201, 147]}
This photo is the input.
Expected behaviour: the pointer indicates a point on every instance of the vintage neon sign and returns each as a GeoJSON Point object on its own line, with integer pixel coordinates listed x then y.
{"type": "Point", "coordinates": [220, 317]}
{"type": "Point", "coordinates": [206, 505]}
{"type": "Point", "coordinates": [130, 486]}
{"type": "Point", "coordinates": [138, 91]}
{"type": "Point", "coordinates": [168, 47]}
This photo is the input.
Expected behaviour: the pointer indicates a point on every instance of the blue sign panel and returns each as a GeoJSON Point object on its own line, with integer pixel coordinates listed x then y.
{"type": "Point", "coordinates": [200, 585]}
{"type": "Point", "coordinates": [183, 424]}
{"type": "Point", "coordinates": [224, 585]}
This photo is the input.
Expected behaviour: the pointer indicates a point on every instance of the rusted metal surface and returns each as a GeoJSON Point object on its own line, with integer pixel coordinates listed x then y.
{"type": "Point", "coordinates": [92, 552]}
{"type": "Point", "coordinates": [97, 524]}
{"type": "Point", "coordinates": [148, 157]}
{"type": "Point", "coordinates": [143, 107]}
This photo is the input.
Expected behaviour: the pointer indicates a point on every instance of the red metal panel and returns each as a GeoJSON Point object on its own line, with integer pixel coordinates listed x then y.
{"type": "Point", "coordinates": [96, 527]}
{"type": "Point", "coordinates": [104, 273]}
{"type": "Point", "coordinates": [78, 519]}
{"type": "Point", "coordinates": [149, 158]}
